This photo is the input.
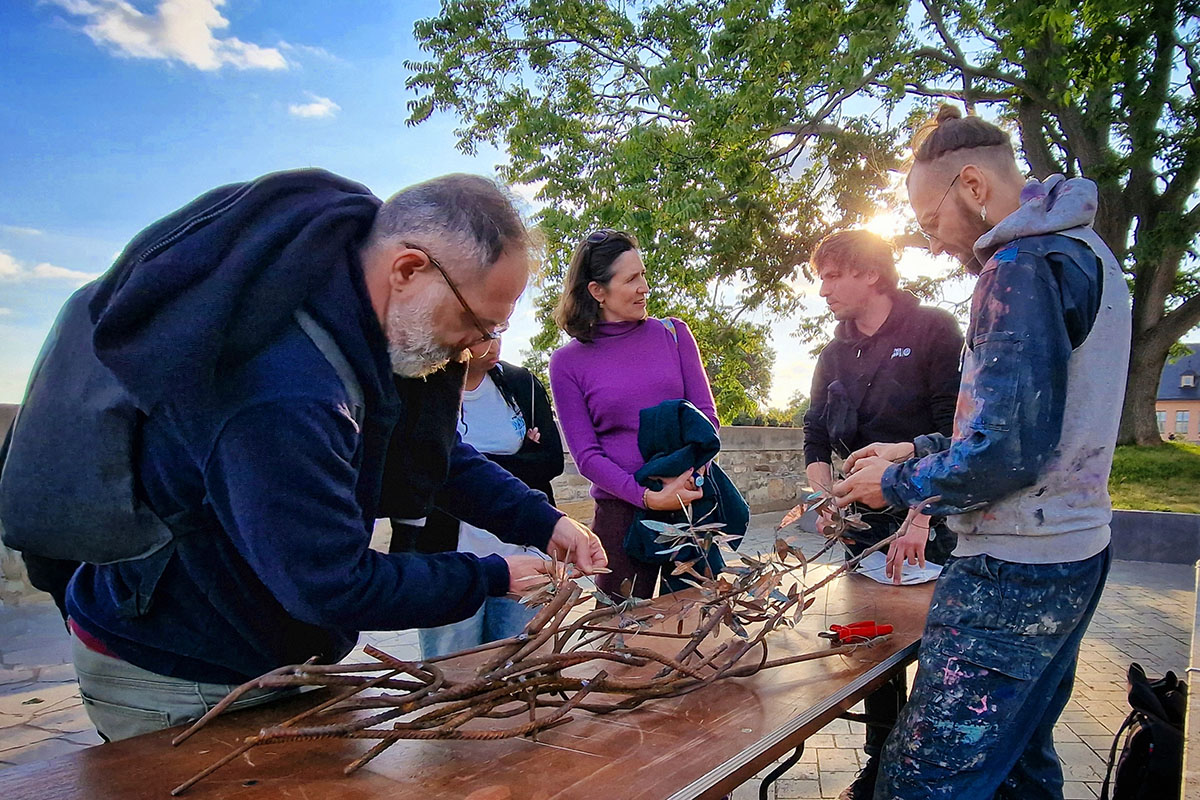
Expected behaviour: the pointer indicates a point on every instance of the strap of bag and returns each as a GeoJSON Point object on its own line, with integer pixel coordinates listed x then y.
{"type": "Point", "coordinates": [1112, 753]}
{"type": "Point", "coordinates": [865, 379]}
{"type": "Point", "coordinates": [669, 324]}
{"type": "Point", "coordinates": [333, 354]}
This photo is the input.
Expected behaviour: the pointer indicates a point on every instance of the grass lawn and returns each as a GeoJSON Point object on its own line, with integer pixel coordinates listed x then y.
{"type": "Point", "coordinates": [1165, 478]}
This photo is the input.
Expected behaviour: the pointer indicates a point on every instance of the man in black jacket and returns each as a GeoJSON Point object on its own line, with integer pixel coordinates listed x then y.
{"type": "Point", "coordinates": [890, 374]}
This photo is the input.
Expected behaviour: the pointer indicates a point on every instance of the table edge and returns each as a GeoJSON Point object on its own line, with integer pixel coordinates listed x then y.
{"type": "Point", "coordinates": [744, 758]}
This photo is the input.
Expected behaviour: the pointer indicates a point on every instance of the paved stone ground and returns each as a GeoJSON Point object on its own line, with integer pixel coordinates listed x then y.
{"type": "Point", "coordinates": [1145, 615]}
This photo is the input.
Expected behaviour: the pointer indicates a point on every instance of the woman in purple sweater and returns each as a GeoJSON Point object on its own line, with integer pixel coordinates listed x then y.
{"type": "Point", "coordinates": [620, 362]}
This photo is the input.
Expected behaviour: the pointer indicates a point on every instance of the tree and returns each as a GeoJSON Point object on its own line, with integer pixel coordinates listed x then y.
{"type": "Point", "coordinates": [790, 416]}
{"type": "Point", "coordinates": [797, 407]}
{"type": "Point", "coordinates": [731, 135]}
{"type": "Point", "coordinates": [632, 123]}
{"type": "Point", "coordinates": [1105, 89]}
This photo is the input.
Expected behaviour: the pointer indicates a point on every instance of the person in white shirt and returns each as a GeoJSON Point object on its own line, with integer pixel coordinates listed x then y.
{"type": "Point", "coordinates": [506, 416]}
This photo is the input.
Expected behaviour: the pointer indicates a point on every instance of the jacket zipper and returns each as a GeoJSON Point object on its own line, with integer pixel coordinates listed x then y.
{"type": "Point", "coordinates": [186, 227]}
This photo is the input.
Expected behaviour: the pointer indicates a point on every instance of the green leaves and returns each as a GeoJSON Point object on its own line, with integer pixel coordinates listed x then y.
{"type": "Point", "coordinates": [651, 118]}
{"type": "Point", "coordinates": [731, 136]}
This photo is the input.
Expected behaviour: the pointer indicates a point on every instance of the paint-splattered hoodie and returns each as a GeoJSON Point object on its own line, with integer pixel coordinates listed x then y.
{"type": "Point", "coordinates": [1025, 476]}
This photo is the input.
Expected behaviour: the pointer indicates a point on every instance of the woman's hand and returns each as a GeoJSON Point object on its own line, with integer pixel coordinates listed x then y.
{"type": "Point", "coordinates": [892, 451]}
{"type": "Point", "coordinates": [675, 494]}
{"type": "Point", "coordinates": [534, 435]}
{"type": "Point", "coordinates": [910, 547]}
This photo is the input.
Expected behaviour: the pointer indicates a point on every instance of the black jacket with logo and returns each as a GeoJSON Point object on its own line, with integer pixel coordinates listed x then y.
{"type": "Point", "coordinates": [893, 386]}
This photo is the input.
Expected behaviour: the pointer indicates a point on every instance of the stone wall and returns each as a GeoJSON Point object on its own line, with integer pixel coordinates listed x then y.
{"type": "Point", "coordinates": [14, 585]}
{"type": "Point", "coordinates": [766, 465]}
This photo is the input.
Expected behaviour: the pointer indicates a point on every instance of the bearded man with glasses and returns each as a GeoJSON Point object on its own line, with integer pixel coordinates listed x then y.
{"type": "Point", "coordinates": [273, 338]}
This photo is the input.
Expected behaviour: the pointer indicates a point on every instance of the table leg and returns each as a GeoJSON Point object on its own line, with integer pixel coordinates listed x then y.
{"type": "Point", "coordinates": [776, 773]}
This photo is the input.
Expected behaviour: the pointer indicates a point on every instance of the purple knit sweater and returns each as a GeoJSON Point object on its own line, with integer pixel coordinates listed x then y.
{"type": "Point", "coordinates": [600, 387]}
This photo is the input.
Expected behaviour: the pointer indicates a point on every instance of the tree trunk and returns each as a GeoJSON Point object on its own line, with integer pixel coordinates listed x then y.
{"type": "Point", "coordinates": [1146, 359]}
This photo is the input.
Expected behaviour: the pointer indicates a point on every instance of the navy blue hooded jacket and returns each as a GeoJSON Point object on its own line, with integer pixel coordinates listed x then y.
{"type": "Point", "coordinates": [675, 436]}
{"type": "Point", "coordinates": [249, 450]}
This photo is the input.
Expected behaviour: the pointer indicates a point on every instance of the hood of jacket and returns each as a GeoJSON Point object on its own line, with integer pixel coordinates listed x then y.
{"type": "Point", "coordinates": [207, 287]}
{"type": "Point", "coordinates": [1051, 206]}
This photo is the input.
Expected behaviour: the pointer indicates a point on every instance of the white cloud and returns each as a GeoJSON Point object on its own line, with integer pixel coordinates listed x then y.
{"type": "Point", "coordinates": [9, 268]}
{"type": "Point", "coordinates": [317, 108]}
{"type": "Point", "coordinates": [176, 30]}
{"type": "Point", "coordinates": [13, 270]}
{"type": "Point", "coordinates": [309, 50]}
{"type": "Point", "coordinates": [21, 230]}
{"type": "Point", "coordinates": [54, 272]}
{"type": "Point", "coordinates": [4, 312]}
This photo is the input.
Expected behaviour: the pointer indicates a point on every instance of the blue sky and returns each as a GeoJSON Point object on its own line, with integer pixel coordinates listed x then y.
{"type": "Point", "coordinates": [116, 112]}
{"type": "Point", "coordinates": [108, 120]}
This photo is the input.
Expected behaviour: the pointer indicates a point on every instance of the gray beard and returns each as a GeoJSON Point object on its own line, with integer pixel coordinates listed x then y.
{"type": "Point", "coordinates": [411, 345]}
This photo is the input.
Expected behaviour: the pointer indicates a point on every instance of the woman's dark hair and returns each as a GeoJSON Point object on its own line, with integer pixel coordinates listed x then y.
{"type": "Point", "coordinates": [578, 312]}
{"type": "Point", "coordinates": [949, 130]}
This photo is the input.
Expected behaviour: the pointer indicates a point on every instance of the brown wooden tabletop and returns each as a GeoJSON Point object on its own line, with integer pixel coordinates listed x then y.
{"type": "Point", "coordinates": [701, 745]}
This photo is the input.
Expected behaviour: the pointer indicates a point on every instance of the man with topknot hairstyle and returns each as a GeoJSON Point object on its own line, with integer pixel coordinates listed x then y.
{"type": "Point", "coordinates": [1023, 480]}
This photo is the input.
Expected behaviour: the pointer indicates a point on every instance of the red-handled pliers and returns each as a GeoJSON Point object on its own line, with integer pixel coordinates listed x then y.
{"type": "Point", "coordinates": [855, 632]}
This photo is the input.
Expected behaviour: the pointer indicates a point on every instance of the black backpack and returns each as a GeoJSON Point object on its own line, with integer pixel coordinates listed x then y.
{"type": "Point", "coordinates": [1150, 764]}
{"type": "Point", "coordinates": [68, 485]}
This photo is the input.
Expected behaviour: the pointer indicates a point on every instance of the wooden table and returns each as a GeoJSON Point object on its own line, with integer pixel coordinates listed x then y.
{"type": "Point", "coordinates": [701, 745]}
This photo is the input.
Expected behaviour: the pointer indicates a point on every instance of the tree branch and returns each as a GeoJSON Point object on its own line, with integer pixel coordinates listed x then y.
{"type": "Point", "coordinates": [1145, 109]}
{"type": "Point", "coordinates": [1189, 58]}
{"type": "Point", "coordinates": [1175, 324]}
{"type": "Point", "coordinates": [1191, 222]}
{"type": "Point", "coordinates": [800, 133]}
{"type": "Point", "coordinates": [1183, 183]}
{"type": "Point", "coordinates": [660, 114]}
{"type": "Point", "coordinates": [939, 22]}
{"type": "Point", "coordinates": [631, 66]}
{"type": "Point", "coordinates": [1008, 78]}
{"type": "Point", "coordinates": [979, 95]}
{"type": "Point", "coordinates": [1033, 137]}
{"type": "Point", "coordinates": [817, 125]}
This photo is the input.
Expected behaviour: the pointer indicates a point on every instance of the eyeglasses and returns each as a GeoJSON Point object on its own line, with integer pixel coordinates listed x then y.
{"type": "Point", "coordinates": [488, 335]}
{"type": "Point", "coordinates": [937, 210]}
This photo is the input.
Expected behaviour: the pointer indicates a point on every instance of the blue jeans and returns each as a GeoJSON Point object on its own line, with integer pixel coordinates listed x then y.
{"type": "Point", "coordinates": [497, 618]}
{"type": "Point", "coordinates": [996, 668]}
{"type": "Point", "coordinates": [123, 700]}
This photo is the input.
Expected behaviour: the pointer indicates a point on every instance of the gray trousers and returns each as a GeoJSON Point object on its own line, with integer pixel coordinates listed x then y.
{"type": "Point", "coordinates": [123, 700]}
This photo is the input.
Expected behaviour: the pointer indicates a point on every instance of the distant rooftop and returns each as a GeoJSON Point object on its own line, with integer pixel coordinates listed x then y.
{"type": "Point", "coordinates": [1181, 379]}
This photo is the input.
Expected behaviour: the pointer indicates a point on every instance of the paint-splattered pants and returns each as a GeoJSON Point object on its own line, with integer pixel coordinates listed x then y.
{"type": "Point", "coordinates": [996, 669]}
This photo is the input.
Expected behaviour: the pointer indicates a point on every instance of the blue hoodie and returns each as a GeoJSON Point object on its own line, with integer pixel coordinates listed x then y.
{"type": "Point", "coordinates": [250, 454]}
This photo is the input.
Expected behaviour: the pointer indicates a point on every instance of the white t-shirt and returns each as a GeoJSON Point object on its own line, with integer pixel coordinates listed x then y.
{"type": "Point", "coordinates": [490, 425]}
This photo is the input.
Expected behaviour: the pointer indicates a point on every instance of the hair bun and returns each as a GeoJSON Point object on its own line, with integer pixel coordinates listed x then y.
{"type": "Point", "coordinates": [945, 112]}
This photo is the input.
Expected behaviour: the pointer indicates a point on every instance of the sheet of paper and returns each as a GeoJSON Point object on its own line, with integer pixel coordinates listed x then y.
{"type": "Point", "coordinates": [874, 567]}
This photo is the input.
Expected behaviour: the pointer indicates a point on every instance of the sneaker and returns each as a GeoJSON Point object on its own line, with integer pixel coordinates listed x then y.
{"type": "Point", "coordinates": [863, 787]}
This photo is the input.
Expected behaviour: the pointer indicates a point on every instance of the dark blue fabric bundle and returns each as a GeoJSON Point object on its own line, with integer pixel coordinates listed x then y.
{"type": "Point", "coordinates": [675, 436]}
